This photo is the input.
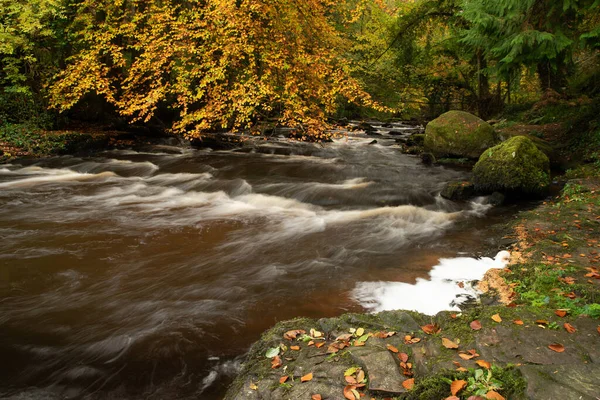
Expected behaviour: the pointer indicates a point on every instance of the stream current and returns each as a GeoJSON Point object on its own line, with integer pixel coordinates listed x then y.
{"type": "Point", "coordinates": [147, 273]}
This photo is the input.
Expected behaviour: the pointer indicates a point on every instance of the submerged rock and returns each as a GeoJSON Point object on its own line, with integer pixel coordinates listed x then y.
{"type": "Point", "coordinates": [459, 134]}
{"type": "Point", "coordinates": [458, 191]}
{"type": "Point", "coordinates": [515, 166]}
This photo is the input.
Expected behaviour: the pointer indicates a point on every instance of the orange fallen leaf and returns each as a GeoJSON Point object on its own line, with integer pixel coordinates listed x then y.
{"type": "Point", "coordinates": [351, 393]}
{"type": "Point", "coordinates": [465, 356]}
{"type": "Point", "coordinates": [457, 386]}
{"type": "Point", "coordinates": [518, 322]}
{"type": "Point", "coordinates": [430, 329]}
{"type": "Point", "coordinates": [453, 316]}
{"type": "Point", "coordinates": [483, 364]}
{"type": "Point", "coordinates": [569, 328]}
{"type": "Point", "coordinates": [408, 384]}
{"type": "Point", "coordinates": [491, 395]}
{"type": "Point", "coordinates": [351, 380]}
{"type": "Point", "coordinates": [318, 345]}
{"type": "Point", "coordinates": [291, 335]}
{"type": "Point", "coordinates": [392, 348]}
{"type": "Point", "coordinates": [598, 329]}
{"type": "Point", "coordinates": [295, 348]}
{"type": "Point", "coordinates": [475, 325]}
{"type": "Point", "coordinates": [276, 362]}
{"type": "Point", "coordinates": [403, 357]}
{"type": "Point", "coordinates": [316, 397]}
{"type": "Point", "coordinates": [541, 322]}
{"type": "Point", "coordinates": [283, 379]}
{"type": "Point", "coordinates": [307, 377]}
{"type": "Point", "coordinates": [557, 347]}
{"type": "Point", "coordinates": [449, 344]}
{"type": "Point", "coordinates": [461, 369]}
{"type": "Point", "coordinates": [497, 318]}
{"type": "Point", "coordinates": [560, 313]}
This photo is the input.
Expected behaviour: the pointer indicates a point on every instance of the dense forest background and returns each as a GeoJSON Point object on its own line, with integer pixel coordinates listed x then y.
{"type": "Point", "coordinates": [196, 66]}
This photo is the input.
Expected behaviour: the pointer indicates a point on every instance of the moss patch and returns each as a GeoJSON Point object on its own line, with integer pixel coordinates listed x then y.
{"type": "Point", "coordinates": [459, 134]}
{"type": "Point", "coordinates": [513, 166]}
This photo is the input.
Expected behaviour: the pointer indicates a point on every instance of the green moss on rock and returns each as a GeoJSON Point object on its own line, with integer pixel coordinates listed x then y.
{"type": "Point", "coordinates": [459, 134]}
{"type": "Point", "coordinates": [515, 166]}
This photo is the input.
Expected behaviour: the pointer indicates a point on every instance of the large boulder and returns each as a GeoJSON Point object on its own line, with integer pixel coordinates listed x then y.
{"type": "Point", "coordinates": [459, 134]}
{"type": "Point", "coordinates": [514, 166]}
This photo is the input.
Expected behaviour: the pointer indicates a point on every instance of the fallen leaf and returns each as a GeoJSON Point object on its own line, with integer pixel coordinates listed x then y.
{"type": "Point", "coordinates": [598, 329]}
{"type": "Point", "coordinates": [560, 313]}
{"type": "Point", "coordinates": [307, 377]}
{"type": "Point", "coordinates": [457, 386]}
{"type": "Point", "coordinates": [392, 348]}
{"type": "Point", "coordinates": [291, 335]}
{"type": "Point", "coordinates": [283, 379]}
{"type": "Point", "coordinates": [497, 318]}
{"type": "Point", "coordinates": [253, 386]}
{"type": "Point", "coordinates": [415, 340]}
{"type": "Point", "coordinates": [272, 352]}
{"type": "Point", "coordinates": [557, 347]}
{"type": "Point", "coordinates": [295, 348]}
{"type": "Point", "coordinates": [315, 333]}
{"type": "Point", "coordinates": [452, 398]}
{"type": "Point", "coordinates": [453, 316]}
{"type": "Point", "coordinates": [462, 369]}
{"type": "Point", "coordinates": [318, 345]}
{"type": "Point", "coordinates": [351, 371]}
{"type": "Point", "coordinates": [430, 329]}
{"type": "Point", "coordinates": [465, 356]}
{"type": "Point", "coordinates": [449, 344]}
{"type": "Point", "coordinates": [350, 393]}
{"type": "Point", "coordinates": [541, 322]}
{"type": "Point", "coordinates": [475, 398]}
{"type": "Point", "coordinates": [518, 322]}
{"type": "Point", "coordinates": [570, 328]}
{"type": "Point", "coordinates": [316, 397]}
{"type": "Point", "coordinates": [408, 384]}
{"type": "Point", "coordinates": [344, 338]}
{"type": "Point", "coordinates": [360, 331]}
{"type": "Point", "coordinates": [360, 377]}
{"type": "Point", "coordinates": [403, 357]}
{"type": "Point", "coordinates": [483, 364]}
{"type": "Point", "coordinates": [351, 380]}
{"type": "Point", "coordinates": [491, 395]}
{"type": "Point", "coordinates": [475, 325]}
{"type": "Point", "coordinates": [276, 362]}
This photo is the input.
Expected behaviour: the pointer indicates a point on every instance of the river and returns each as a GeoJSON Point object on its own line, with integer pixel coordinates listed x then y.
{"type": "Point", "coordinates": [147, 273]}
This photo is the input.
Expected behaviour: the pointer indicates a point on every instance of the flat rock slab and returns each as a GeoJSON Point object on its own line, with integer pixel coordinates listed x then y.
{"type": "Point", "coordinates": [381, 369]}
{"type": "Point", "coordinates": [529, 344]}
{"type": "Point", "coordinates": [562, 382]}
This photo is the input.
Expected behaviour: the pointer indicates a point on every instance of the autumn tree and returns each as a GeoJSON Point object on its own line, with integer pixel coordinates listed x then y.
{"type": "Point", "coordinates": [215, 63]}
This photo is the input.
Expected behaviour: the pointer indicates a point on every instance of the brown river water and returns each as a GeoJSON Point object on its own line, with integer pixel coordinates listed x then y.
{"type": "Point", "coordinates": [147, 273]}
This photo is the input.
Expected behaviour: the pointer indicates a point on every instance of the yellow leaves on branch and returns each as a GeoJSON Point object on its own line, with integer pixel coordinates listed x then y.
{"type": "Point", "coordinates": [217, 63]}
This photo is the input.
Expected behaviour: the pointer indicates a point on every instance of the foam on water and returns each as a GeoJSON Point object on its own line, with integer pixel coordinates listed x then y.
{"type": "Point", "coordinates": [441, 292]}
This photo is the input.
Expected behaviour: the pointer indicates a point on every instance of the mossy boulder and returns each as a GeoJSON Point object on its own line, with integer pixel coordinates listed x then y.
{"type": "Point", "coordinates": [514, 166]}
{"type": "Point", "coordinates": [459, 134]}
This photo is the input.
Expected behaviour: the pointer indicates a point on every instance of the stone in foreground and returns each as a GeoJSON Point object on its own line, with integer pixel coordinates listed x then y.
{"type": "Point", "coordinates": [514, 167]}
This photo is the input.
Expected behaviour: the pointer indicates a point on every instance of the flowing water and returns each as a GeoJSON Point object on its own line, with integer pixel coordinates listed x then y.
{"type": "Point", "coordinates": [147, 274]}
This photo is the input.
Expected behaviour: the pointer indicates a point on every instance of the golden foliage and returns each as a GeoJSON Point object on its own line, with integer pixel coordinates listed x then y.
{"type": "Point", "coordinates": [218, 63]}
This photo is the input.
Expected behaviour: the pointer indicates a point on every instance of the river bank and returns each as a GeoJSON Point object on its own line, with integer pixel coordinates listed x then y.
{"type": "Point", "coordinates": [543, 344]}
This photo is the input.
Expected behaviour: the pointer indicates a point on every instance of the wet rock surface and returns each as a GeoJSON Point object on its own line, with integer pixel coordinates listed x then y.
{"type": "Point", "coordinates": [546, 373]}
